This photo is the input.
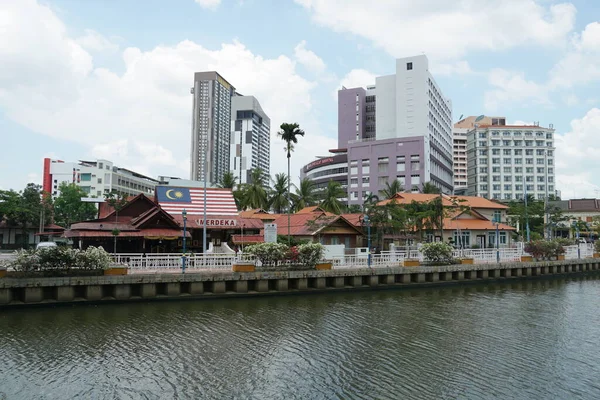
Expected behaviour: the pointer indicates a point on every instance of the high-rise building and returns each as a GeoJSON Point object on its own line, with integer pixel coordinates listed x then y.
{"type": "Point", "coordinates": [211, 126]}
{"type": "Point", "coordinates": [96, 178]}
{"type": "Point", "coordinates": [400, 128]}
{"type": "Point", "coordinates": [460, 147]}
{"type": "Point", "coordinates": [460, 160]}
{"type": "Point", "coordinates": [250, 138]}
{"type": "Point", "coordinates": [506, 162]}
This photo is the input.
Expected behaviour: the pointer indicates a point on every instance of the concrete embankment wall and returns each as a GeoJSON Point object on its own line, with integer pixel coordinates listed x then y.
{"type": "Point", "coordinates": [138, 287]}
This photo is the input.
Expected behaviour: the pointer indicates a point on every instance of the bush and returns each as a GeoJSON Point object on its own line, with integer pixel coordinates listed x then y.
{"type": "Point", "coordinates": [269, 254]}
{"type": "Point", "coordinates": [437, 252]}
{"type": "Point", "coordinates": [60, 259]}
{"type": "Point", "coordinates": [310, 254]}
{"type": "Point", "coordinates": [597, 246]}
{"type": "Point", "coordinates": [546, 249]}
{"type": "Point", "coordinates": [279, 255]}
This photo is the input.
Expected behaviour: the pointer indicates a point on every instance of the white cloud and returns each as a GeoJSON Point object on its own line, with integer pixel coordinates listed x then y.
{"type": "Point", "coordinates": [512, 87]}
{"type": "Point", "coordinates": [577, 153]}
{"type": "Point", "coordinates": [455, 68]}
{"type": "Point", "coordinates": [60, 94]}
{"type": "Point", "coordinates": [94, 41]}
{"type": "Point", "coordinates": [445, 29]}
{"type": "Point", "coordinates": [582, 63]}
{"type": "Point", "coordinates": [308, 58]}
{"type": "Point", "coordinates": [355, 78]}
{"type": "Point", "coordinates": [209, 4]}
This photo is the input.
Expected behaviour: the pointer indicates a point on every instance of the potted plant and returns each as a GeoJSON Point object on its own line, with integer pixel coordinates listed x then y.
{"type": "Point", "coordinates": [116, 269]}
{"type": "Point", "coordinates": [411, 262]}
{"type": "Point", "coordinates": [437, 253]}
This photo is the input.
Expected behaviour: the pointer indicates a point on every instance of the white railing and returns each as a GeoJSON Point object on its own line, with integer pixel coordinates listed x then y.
{"type": "Point", "coordinates": [174, 261]}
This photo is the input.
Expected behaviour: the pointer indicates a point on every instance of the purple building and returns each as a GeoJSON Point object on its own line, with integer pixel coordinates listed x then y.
{"type": "Point", "coordinates": [399, 129]}
{"type": "Point", "coordinates": [374, 163]}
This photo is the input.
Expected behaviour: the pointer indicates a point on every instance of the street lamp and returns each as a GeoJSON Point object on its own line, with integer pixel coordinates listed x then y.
{"type": "Point", "coordinates": [497, 222]}
{"type": "Point", "coordinates": [184, 215]}
{"type": "Point", "coordinates": [368, 223]}
{"type": "Point", "coordinates": [242, 244]}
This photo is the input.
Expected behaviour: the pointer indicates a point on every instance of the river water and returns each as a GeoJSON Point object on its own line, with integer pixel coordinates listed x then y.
{"type": "Point", "coordinates": [518, 340]}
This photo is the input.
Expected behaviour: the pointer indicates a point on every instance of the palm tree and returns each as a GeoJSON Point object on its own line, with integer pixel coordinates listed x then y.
{"type": "Point", "coordinates": [305, 194]}
{"type": "Point", "coordinates": [331, 198]}
{"type": "Point", "coordinates": [289, 134]}
{"type": "Point", "coordinates": [254, 193]}
{"type": "Point", "coordinates": [430, 188]}
{"type": "Point", "coordinates": [390, 190]}
{"type": "Point", "coordinates": [278, 200]}
{"type": "Point", "coordinates": [229, 180]}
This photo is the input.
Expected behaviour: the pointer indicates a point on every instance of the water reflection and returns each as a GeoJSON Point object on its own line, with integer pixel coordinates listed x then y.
{"type": "Point", "coordinates": [526, 339]}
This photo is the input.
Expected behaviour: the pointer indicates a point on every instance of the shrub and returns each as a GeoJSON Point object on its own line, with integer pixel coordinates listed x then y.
{"type": "Point", "coordinates": [269, 254]}
{"type": "Point", "coordinates": [310, 254]}
{"type": "Point", "coordinates": [597, 246]}
{"type": "Point", "coordinates": [437, 252]}
{"type": "Point", "coordinates": [546, 249]}
{"type": "Point", "coordinates": [60, 259]}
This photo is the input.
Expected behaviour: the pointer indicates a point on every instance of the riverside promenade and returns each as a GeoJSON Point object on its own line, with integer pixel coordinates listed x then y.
{"type": "Point", "coordinates": [220, 283]}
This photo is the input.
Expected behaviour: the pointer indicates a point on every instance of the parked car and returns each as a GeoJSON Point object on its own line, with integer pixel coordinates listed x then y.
{"type": "Point", "coordinates": [44, 245]}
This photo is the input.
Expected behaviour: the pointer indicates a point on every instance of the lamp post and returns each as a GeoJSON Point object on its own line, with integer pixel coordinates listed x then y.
{"type": "Point", "coordinates": [368, 223]}
{"type": "Point", "coordinates": [242, 244]}
{"type": "Point", "coordinates": [577, 236]}
{"type": "Point", "coordinates": [184, 215]}
{"type": "Point", "coordinates": [497, 222]}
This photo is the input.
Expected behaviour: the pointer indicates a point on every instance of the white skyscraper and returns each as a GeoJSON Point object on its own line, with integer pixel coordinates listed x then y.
{"type": "Point", "coordinates": [250, 138]}
{"type": "Point", "coordinates": [211, 120]}
{"type": "Point", "coordinates": [411, 104]}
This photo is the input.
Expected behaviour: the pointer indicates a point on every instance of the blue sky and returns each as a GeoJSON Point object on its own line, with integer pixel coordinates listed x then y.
{"type": "Point", "coordinates": [108, 79]}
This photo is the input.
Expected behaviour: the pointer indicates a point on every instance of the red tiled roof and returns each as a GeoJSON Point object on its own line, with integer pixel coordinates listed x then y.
{"type": "Point", "coordinates": [153, 232]}
{"type": "Point", "coordinates": [354, 219]}
{"type": "Point", "coordinates": [447, 201]}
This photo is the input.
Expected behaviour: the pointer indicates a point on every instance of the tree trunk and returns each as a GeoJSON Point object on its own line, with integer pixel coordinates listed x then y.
{"type": "Point", "coordinates": [288, 197]}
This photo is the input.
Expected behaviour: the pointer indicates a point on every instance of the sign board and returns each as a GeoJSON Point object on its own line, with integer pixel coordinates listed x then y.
{"type": "Point", "coordinates": [318, 163]}
{"type": "Point", "coordinates": [217, 222]}
{"type": "Point", "coordinates": [270, 234]}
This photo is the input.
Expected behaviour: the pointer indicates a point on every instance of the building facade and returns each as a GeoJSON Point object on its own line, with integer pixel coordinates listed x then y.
{"type": "Point", "coordinates": [375, 163]}
{"type": "Point", "coordinates": [459, 142]}
{"type": "Point", "coordinates": [325, 169]}
{"type": "Point", "coordinates": [250, 138]}
{"type": "Point", "coordinates": [211, 126]}
{"type": "Point", "coordinates": [507, 162]}
{"type": "Point", "coordinates": [96, 178]}
{"type": "Point", "coordinates": [460, 147]}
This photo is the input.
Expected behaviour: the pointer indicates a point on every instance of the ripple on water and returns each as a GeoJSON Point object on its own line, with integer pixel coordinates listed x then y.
{"type": "Point", "coordinates": [516, 340]}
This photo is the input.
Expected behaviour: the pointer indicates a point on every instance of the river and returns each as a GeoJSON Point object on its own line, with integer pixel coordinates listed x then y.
{"type": "Point", "coordinates": [517, 340]}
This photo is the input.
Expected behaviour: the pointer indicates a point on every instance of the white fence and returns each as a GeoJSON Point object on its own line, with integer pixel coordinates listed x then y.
{"type": "Point", "coordinates": [174, 261]}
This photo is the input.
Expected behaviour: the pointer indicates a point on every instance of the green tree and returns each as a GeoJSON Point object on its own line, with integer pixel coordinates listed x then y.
{"type": "Point", "coordinates": [10, 208]}
{"type": "Point", "coordinates": [228, 181]}
{"type": "Point", "coordinates": [289, 134]}
{"type": "Point", "coordinates": [390, 190]}
{"type": "Point", "coordinates": [430, 188]}
{"type": "Point", "coordinates": [533, 211]}
{"type": "Point", "coordinates": [278, 200]}
{"type": "Point", "coordinates": [254, 193]}
{"type": "Point", "coordinates": [331, 198]}
{"type": "Point", "coordinates": [69, 208]}
{"type": "Point", "coordinates": [305, 195]}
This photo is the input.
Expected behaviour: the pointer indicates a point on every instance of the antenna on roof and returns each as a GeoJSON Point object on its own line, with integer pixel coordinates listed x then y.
{"type": "Point", "coordinates": [479, 118]}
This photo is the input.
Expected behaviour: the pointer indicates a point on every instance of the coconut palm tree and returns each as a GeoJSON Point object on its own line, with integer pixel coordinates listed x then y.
{"type": "Point", "coordinates": [277, 196]}
{"type": "Point", "coordinates": [289, 134]}
{"type": "Point", "coordinates": [430, 188]}
{"type": "Point", "coordinates": [305, 194]}
{"type": "Point", "coordinates": [331, 198]}
{"type": "Point", "coordinates": [390, 190]}
{"type": "Point", "coordinates": [254, 193]}
{"type": "Point", "coordinates": [229, 180]}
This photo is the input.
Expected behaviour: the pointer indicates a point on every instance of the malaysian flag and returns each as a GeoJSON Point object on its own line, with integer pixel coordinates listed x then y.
{"type": "Point", "coordinates": [174, 199]}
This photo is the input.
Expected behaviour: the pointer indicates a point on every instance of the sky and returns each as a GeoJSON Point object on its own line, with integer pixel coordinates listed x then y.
{"type": "Point", "coordinates": [111, 79]}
